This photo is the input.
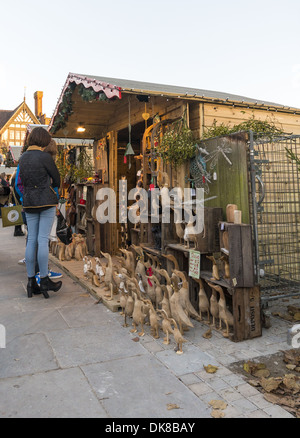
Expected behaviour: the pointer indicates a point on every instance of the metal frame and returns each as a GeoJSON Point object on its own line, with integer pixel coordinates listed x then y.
{"type": "Point", "coordinates": [275, 214]}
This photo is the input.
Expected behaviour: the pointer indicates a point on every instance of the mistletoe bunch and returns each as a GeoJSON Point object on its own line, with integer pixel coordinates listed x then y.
{"type": "Point", "coordinates": [177, 145]}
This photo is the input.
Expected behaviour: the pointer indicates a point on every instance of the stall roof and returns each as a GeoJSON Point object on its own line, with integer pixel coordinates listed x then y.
{"type": "Point", "coordinates": [16, 152]}
{"type": "Point", "coordinates": [113, 88]}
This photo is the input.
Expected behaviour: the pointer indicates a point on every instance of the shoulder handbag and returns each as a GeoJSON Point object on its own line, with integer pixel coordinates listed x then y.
{"type": "Point", "coordinates": [12, 216]}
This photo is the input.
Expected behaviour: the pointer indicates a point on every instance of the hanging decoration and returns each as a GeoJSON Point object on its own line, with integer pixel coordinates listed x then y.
{"type": "Point", "coordinates": [129, 150]}
{"type": "Point", "coordinates": [203, 165]}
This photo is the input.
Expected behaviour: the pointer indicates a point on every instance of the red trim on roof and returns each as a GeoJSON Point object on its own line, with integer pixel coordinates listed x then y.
{"type": "Point", "coordinates": [108, 89]}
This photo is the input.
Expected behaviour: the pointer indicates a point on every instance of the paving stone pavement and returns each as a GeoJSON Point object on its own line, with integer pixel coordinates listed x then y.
{"type": "Point", "coordinates": [69, 357]}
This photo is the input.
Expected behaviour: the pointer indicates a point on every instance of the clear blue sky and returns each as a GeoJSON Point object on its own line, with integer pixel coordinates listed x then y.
{"type": "Point", "coordinates": [248, 48]}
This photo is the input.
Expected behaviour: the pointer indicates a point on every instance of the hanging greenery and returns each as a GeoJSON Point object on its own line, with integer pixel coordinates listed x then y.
{"type": "Point", "coordinates": [65, 109]}
{"type": "Point", "coordinates": [267, 128]}
{"type": "Point", "coordinates": [178, 144]}
{"type": "Point", "coordinates": [84, 165]}
{"type": "Point", "coordinates": [89, 95]}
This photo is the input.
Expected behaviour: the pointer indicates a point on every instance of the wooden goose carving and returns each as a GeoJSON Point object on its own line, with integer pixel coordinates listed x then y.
{"type": "Point", "coordinates": [224, 314]}
{"type": "Point", "coordinates": [215, 270]}
{"type": "Point", "coordinates": [179, 339]}
{"type": "Point", "coordinates": [154, 324]}
{"type": "Point", "coordinates": [177, 310]}
{"type": "Point", "coordinates": [129, 306]}
{"type": "Point", "coordinates": [166, 326]}
{"type": "Point", "coordinates": [185, 295]}
{"type": "Point", "coordinates": [165, 302]}
{"type": "Point", "coordinates": [138, 315]}
{"type": "Point", "coordinates": [108, 278]}
{"type": "Point", "coordinates": [203, 300]}
{"type": "Point", "coordinates": [213, 304]}
{"type": "Point", "coordinates": [172, 259]}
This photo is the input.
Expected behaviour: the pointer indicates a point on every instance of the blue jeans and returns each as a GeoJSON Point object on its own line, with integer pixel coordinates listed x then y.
{"type": "Point", "coordinates": [39, 227]}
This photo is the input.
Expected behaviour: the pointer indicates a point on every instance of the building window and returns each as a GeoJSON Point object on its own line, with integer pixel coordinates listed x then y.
{"type": "Point", "coordinates": [11, 135]}
{"type": "Point", "coordinates": [18, 135]}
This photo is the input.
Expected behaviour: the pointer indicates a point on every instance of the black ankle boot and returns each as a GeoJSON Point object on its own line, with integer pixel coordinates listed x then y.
{"type": "Point", "coordinates": [44, 286]}
{"type": "Point", "coordinates": [47, 284]}
{"type": "Point", "coordinates": [32, 287]}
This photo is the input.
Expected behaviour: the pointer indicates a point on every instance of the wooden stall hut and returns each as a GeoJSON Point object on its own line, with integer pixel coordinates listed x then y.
{"type": "Point", "coordinates": [129, 123]}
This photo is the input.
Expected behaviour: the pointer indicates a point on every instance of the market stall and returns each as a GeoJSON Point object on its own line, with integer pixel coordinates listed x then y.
{"type": "Point", "coordinates": [146, 138]}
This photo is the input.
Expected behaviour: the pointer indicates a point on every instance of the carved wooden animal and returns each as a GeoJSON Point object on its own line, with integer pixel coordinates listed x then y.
{"type": "Point", "coordinates": [157, 290]}
{"type": "Point", "coordinates": [179, 339]}
{"type": "Point", "coordinates": [165, 302]}
{"type": "Point", "coordinates": [108, 278]}
{"type": "Point", "coordinates": [123, 300]}
{"type": "Point", "coordinates": [185, 295]}
{"type": "Point", "coordinates": [70, 249]}
{"type": "Point", "coordinates": [224, 314]}
{"type": "Point", "coordinates": [153, 320]}
{"type": "Point", "coordinates": [225, 259]}
{"type": "Point", "coordinates": [129, 306]}
{"type": "Point", "coordinates": [215, 270]}
{"type": "Point", "coordinates": [140, 267]}
{"type": "Point", "coordinates": [172, 259]}
{"type": "Point", "coordinates": [60, 251]}
{"type": "Point", "coordinates": [129, 263]}
{"type": "Point", "coordinates": [177, 310]}
{"type": "Point", "coordinates": [80, 247]}
{"type": "Point", "coordinates": [166, 326]}
{"type": "Point", "coordinates": [203, 300]}
{"type": "Point", "coordinates": [189, 235]}
{"type": "Point", "coordinates": [179, 228]}
{"type": "Point", "coordinates": [100, 270]}
{"type": "Point", "coordinates": [138, 315]}
{"type": "Point", "coordinates": [213, 305]}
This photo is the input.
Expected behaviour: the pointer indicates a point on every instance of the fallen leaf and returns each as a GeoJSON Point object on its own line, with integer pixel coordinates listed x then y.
{"type": "Point", "coordinates": [211, 369]}
{"type": "Point", "coordinates": [171, 406]}
{"type": "Point", "coordinates": [296, 316]}
{"type": "Point", "coordinates": [290, 366]}
{"type": "Point", "coordinates": [270, 384]}
{"type": "Point", "coordinates": [136, 339]}
{"type": "Point", "coordinates": [290, 381]}
{"type": "Point", "coordinates": [262, 373]}
{"type": "Point", "coordinates": [216, 413]}
{"type": "Point", "coordinates": [218, 404]}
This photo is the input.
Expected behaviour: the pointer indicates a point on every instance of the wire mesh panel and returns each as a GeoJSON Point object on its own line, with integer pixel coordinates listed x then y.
{"type": "Point", "coordinates": [276, 213]}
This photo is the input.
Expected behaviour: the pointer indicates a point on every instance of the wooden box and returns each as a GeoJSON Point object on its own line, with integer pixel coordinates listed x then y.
{"type": "Point", "coordinates": [236, 242]}
{"type": "Point", "coordinates": [247, 313]}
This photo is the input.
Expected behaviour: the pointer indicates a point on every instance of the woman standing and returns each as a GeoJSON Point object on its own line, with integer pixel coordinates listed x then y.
{"type": "Point", "coordinates": [39, 176]}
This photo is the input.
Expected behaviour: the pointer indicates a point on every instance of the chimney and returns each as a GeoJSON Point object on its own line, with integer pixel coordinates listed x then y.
{"type": "Point", "coordinates": [38, 98]}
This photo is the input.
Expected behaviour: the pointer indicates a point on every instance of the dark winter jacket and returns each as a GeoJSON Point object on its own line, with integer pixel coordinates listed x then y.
{"type": "Point", "coordinates": [39, 176]}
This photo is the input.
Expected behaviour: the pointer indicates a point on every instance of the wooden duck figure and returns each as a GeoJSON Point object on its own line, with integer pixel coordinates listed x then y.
{"type": "Point", "coordinates": [108, 278]}
{"type": "Point", "coordinates": [189, 236]}
{"type": "Point", "coordinates": [99, 269]}
{"type": "Point", "coordinates": [140, 268]}
{"type": "Point", "coordinates": [177, 310]}
{"type": "Point", "coordinates": [179, 228]}
{"type": "Point", "coordinates": [129, 260]}
{"type": "Point", "coordinates": [157, 290]}
{"type": "Point", "coordinates": [203, 300]}
{"type": "Point", "coordinates": [213, 304]}
{"type": "Point", "coordinates": [129, 306]}
{"type": "Point", "coordinates": [172, 259]}
{"type": "Point", "coordinates": [85, 265]}
{"type": "Point", "coordinates": [154, 324]}
{"type": "Point", "coordinates": [166, 326]}
{"type": "Point", "coordinates": [225, 259]}
{"type": "Point", "coordinates": [150, 289]}
{"type": "Point", "coordinates": [165, 302]}
{"type": "Point", "coordinates": [138, 315]}
{"type": "Point", "coordinates": [224, 314]}
{"type": "Point", "coordinates": [215, 270]}
{"type": "Point", "coordinates": [123, 300]}
{"type": "Point", "coordinates": [185, 295]}
{"type": "Point", "coordinates": [179, 339]}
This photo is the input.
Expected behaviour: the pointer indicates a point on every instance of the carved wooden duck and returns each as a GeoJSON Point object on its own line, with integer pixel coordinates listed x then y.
{"type": "Point", "coordinates": [166, 326]}
{"type": "Point", "coordinates": [179, 339]}
{"type": "Point", "coordinates": [177, 310]}
{"type": "Point", "coordinates": [224, 314]}
{"type": "Point", "coordinates": [185, 295]}
{"type": "Point", "coordinates": [213, 304]}
{"type": "Point", "coordinates": [203, 300]}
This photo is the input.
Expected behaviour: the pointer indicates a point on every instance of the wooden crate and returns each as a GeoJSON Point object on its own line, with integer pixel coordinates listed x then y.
{"type": "Point", "coordinates": [238, 243]}
{"type": "Point", "coordinates": [247, 313]}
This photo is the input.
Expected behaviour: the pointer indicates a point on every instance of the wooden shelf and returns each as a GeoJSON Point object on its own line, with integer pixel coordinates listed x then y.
{"type": "Point", "coordinates": [206, 275]}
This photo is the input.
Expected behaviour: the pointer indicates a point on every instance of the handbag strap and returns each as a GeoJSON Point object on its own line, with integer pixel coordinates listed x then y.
{"type": "Point", "coordinates": [15, 198]}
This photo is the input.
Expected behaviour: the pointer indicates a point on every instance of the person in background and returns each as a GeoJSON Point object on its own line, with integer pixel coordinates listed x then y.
{"type": "Point", "coordinates": [15, 199]}
{"type": "Point", "coordinates": [39, 176]}
{"type": "Point", "coordinates": [4, 191]}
